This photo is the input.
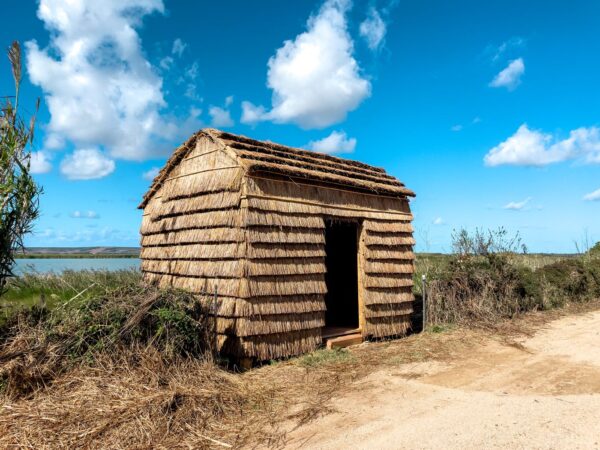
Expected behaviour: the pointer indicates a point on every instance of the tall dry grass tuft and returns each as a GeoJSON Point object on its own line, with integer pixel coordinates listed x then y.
{"type": "Point", "coordinates": [135, 398]}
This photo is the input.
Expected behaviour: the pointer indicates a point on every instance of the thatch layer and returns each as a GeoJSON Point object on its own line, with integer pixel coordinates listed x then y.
{"type": "Point", "coordinates": [270, 324]}
{"type": "Point", "coordinates": [388, 296]}
{"type": "Point", "coordinates": [388, 266]}
{"type": "Point", "coordinates": [387, 326]}
{"type": "Point", "coordinates": [389, 310]}
{"type": "Point", "coordinates": [299, 304]}
{"type": "Point", "coordinates": [290, 285]}
{"type": "Point", "coordinates": [212, 180]}
{"type": "Point", "coordinates": [190, 238]}
{"type": "Point", "coordinates": [199, 203]}
{"type": "Point", "coordinates": [376, 227]}
{"type": "Point", "coordinates": [211, 269]}
{"type": "Point", "coordinates": [283, 206]}
{"type": "Point", "coordinates": [388, 280]}
{"type": "Point", "coordinates": [390, 253]}
{"type": "Point", "coordinates": [327, 197]}
{"type": "Point", "coordinates": [271, 251]}
{"type": "Point", "coordinates": [271, 346]}
{"type": "Point", "coordinates": [269, 235]}
{"type": "Point", "coordinates": [298, 167]}
{"type": "Point", "coordinates": [389, 239]}
{"type": "Point", "coordinates": [207, 219]}
{"type": "Point", "coordinates": [282, 267]}
{"type": "Point", "coordinates": [274, 219]}
{"type": "Point", "coordinates": [203, 251]}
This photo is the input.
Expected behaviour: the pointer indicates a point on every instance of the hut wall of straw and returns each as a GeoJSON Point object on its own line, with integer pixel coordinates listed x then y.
{"type": "Point", "coordinates": [193, 234]}
{"type": "Point", "coordinates": [278, 208]}
{"type": "Point", "coordinates": [239, 217]}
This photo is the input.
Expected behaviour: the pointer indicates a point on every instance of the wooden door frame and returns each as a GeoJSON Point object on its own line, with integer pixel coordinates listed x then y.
{"type": "Point", "coordinates": [360, 261]}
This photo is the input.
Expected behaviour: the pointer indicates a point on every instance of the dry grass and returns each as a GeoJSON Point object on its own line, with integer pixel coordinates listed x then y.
{"type": "Point", "coordinates": [137, 400]}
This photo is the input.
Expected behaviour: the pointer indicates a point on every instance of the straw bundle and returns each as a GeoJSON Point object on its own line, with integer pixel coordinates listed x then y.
{"type": "Point", "coordinates": [375, 227]}
{"type": "Point", "coordinates": [201, 251]}
{"type": "Point", "coordinates": [274, 219]}
{"type": "Point", "coordinates": [207, 219]}
{"type": "Point", "coordinates": [389, 310]}
{"type": "Point", "coordinates": [388, 280]}
{"type": "Point", "coordinates": [388, 326]}
{"type": "Point", "coordinates": [237, 307]}
{"type": "Point", "coordinates": [212, 180]}
{"type": "Point", "coordinates": [211, 268]}
{"type": "Point", "coordinates": [383, 266]}
{"type": "Point", "coordinates": [389, 239]}
{"type": "Point", "coordinates": [182, 238]}
{"type": "Point", "coordinates": [271, 346]}
{"type": "Point", "coordinates": [270, 324]}
{"type": "Point", "coordinates": [386, 296]}
{"type": "Point", "coordinates": [282, 267]}
{"type": "Point", "coordinates": [269, 235]}
{"type": "Point", "coordinates": [203, 202]}
{"type": "Point", "coordinates": [269, 251]}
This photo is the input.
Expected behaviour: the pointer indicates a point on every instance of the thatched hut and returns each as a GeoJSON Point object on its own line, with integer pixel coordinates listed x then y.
{"type": "Point", "coordinates": [296, 244]}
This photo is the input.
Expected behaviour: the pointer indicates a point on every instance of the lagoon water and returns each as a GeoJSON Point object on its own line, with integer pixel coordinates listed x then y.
{"type": "Point", "coordinates": [59, 265]}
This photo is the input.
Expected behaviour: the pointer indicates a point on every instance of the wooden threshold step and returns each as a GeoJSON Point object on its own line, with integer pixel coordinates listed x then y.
{"type": "Point", "coordinates": [343, 341]}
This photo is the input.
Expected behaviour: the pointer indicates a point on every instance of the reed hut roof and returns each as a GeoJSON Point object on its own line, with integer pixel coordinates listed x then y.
{"type": "Point", "coordinates": [264, 157]}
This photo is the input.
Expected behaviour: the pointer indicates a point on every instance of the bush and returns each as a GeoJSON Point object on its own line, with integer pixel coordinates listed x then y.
{"type": "Point", "coordinates": [483, 281]}
{"type": "Point", "coordinates": [39, 343]}
{"type": "Point", "coordinates": [595, 251]}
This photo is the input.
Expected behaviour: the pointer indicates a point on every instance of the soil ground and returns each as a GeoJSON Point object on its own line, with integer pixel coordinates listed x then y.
{"type": "Point", "coordinates": [541, 391]}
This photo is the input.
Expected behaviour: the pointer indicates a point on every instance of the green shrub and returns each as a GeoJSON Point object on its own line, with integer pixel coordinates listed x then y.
{"type": "Point", "coordinates": [485, 280]}
{"type": "Point", "coordinates": [42, 342]}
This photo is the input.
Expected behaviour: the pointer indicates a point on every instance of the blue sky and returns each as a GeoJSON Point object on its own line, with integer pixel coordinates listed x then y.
{"type": "Point", "coordinates": [489, 111]}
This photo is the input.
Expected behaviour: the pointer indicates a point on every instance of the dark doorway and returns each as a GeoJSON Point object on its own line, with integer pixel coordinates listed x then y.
{"type": "Point", "coordinates": [341, 247]}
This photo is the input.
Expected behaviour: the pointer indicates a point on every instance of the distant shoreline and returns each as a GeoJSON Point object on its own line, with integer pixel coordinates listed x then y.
{"type": "Point", "coordinates": [75, 256]}
{"type": "Point", "coordinates": [78, 252]}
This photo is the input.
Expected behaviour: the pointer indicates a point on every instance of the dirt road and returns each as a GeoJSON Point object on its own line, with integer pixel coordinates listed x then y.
{"type": "Point", "coordinates": [542, 392]}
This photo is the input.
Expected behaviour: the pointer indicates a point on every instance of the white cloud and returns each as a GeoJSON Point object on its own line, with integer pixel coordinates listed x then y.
{"type": "Point", "coordinates": [315, 79]}
{"type": "Point", "coordinates": [151, 174]}
{"type": "Point", "coordinates": [534, 148]}
{"type": "Point", "coordinates": [100, 89]}
{"type": "Point", "coordinates": [456, 127]}
{"type": "Point", "coordinates": [192, 71]}
{"type": "Point", "coordinates": [517, 206]}
{"type": "Point", "coordinates": [229, 100]}
{"type": "Point", "coordinates": [220, 117]}
{"type": "Point", "coordinates": [40, 162]}
{"type": "Point", "coordinates": [438, 221]}
{"type": "Point", "coordinates": [178, 47]}
{"type": "Point", "coordinates": [251, 113]}
{"type": "Point", "coordinates": [373, 29]}
{"type": "Point", "coordinates": [510, 77]}
{"type": "Point", "coordinates": [86, 164]}
{"type": "Point", "coordinates": [85, 215]}
{"type": "Point", "coordinates": [166, 62]}
{"type": "Point", "coordinates": [593, 196]}
{"type": "Point", "coordinates": [336, 142]}
{"type": "Point", "coordinates": [514, 42]}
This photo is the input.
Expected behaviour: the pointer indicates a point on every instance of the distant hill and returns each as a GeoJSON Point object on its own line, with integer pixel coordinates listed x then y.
{"type": "Point", "coordinates": [80, 252]}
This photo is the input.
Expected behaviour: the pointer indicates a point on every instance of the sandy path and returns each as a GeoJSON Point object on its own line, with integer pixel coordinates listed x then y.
{"type": "Point", "coordinates": [542, 393]}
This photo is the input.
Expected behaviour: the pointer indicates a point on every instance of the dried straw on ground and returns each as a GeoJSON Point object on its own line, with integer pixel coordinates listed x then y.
{"type": "Point", "coordinates": [246, 219]}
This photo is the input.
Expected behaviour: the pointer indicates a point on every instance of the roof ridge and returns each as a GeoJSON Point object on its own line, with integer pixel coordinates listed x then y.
{"type": "Point", "coordinates": [358, 173]}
